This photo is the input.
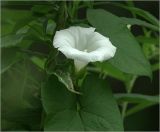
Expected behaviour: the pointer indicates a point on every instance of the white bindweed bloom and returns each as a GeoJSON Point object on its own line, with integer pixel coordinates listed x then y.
{"type": "Point", "coordinates": [83, 45]}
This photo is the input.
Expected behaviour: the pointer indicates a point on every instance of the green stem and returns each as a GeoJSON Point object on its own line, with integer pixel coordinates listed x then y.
{"type": "Point", "coordinates": [129, 86]}
{"type": "Point", "coordinates": [124, 109]}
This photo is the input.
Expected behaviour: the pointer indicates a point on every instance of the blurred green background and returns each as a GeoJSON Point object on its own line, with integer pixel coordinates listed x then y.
{"type": "Point", "coordinates": [17, 13]}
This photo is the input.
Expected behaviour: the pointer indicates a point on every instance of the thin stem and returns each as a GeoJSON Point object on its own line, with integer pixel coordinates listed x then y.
{"type": "Point", "coordinates": [129, 87]}
{"type": "Point", "coordinates": [124, 109]}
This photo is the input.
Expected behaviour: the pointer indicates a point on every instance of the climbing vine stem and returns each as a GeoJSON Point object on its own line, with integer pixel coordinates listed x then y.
{"type": "Point", "coordinates": [129, 86]}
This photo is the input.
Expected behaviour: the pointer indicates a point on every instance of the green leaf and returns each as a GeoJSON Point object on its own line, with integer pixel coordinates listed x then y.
{"type": "Point", "coordinates": [51, 25]}
{"type": "Point", "coordinates": [137, 98]}
{"type": "Point", "coordinates": [51, 63]}
{"type": "Point", "coordinates": [23, 22]}
{"type": "Point", "coordinates": [129, 57]}
{"type": "Point", "coordinates": [138, 108]}
{"type": "Point", "coordinates": [11, 40]}
{"type": "Point", "coordinates": [65, 78]}
{"type": "Point", "coordinates": [58, 65]}
{"type": "Point", "coordinates": [140, 12]}
{"type": "Point", "coordinates": [9, 56]}
{"type": "Point", "coordinates": [94, 110]}
{"type": "Point", "coordinates": [22, 30]}
{"type": "Point", "coordinates": [13, 19]}
{"type": "Point", "coordinates": [150, 46]}
{"type": "Point", "coordinates": [20, 92]}
{"type": "Point", "coordinates": [141, 101]}
{"type": "Point", "coordinates": [33, 31]}
{"type": "Point", "coordinates": [134, 21]}
{"type": "Point", "coordinates": [110, 70]}
{"type": "Point", "coordinates": [144, 14]}
{"type": "Point", "coordinates": [15, 14]}
{"type": "Point", "coordinates": [38, 61]}
{"type": "Point", "coordinates": [155, 66]}
{"type": "Point", "coordinates": [37, 30]}
{"type": "Point", "coordinates": [56, 61]}
{"type": "Point", "coordinates": [6, 27]}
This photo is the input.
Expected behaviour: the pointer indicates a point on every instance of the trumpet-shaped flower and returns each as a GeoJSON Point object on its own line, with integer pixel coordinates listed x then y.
{"type": "Point", "coordinates": [83, 45]}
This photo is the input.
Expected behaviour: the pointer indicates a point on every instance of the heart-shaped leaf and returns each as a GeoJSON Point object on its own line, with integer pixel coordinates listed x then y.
{"type": "Point", "coordinates": [94, 110]}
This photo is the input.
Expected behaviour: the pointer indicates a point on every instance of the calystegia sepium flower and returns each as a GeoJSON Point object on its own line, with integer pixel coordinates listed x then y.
{"type": "Point", "coordinates": [83, 45]}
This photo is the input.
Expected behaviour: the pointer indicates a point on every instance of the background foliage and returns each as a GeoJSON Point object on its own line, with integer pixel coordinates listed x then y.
{"type": "Point", "coordinates": [39, 83]}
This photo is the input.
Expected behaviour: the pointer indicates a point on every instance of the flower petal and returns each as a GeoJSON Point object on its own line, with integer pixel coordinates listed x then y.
{"type": "Point", "coordinates": [74, 36]}
{"type": "Point", "coordinates": [81, 35]}
{"type": "Point", "coordinates": [75, 54]}
{"type": "Point", "coordinates": [100, 48]}
{"type": "Point", "coordinates": [83, 45]}
{"type": "Point", "coordinates": [63, 38]}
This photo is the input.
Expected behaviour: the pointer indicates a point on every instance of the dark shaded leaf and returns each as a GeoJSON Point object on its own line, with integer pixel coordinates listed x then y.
{"type": "Point", "coordinates": [21, 95]}
{"type": "Point", "coordinates": [9, 56]}
{"type": "Point", "coordinates": [11, 40]}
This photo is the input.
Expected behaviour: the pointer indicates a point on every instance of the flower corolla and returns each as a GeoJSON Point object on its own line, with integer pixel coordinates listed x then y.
{"type": "Point", "coordinates": [83, 45]}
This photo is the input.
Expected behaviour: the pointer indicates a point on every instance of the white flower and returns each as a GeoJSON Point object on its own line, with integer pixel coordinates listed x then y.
{"type": "Point", "coordinates": [84, 45]}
